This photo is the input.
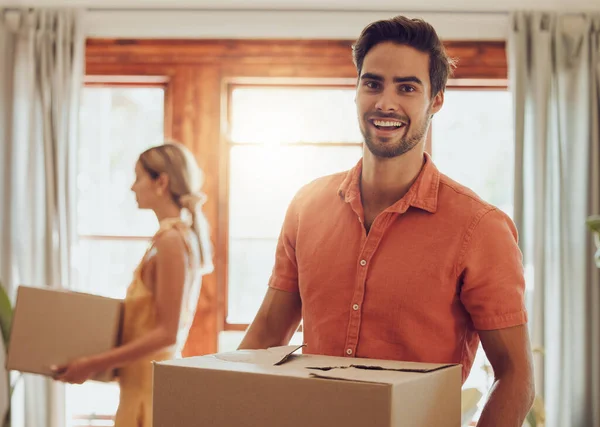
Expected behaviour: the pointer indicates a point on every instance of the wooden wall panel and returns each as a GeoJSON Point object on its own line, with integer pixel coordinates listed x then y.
{"type": "Point", "coordinates": [481, 60]}
{"type": "Point", "coordinates": [195, 122]}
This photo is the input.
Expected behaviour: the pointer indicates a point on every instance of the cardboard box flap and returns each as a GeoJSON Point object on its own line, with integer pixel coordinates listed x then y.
{"type": "Point", "coordinates": [281, 361]}
{"type": "Point", "coordinates": [422, 368]}
{"type": "Point", "coordinates": [390, 365]}
{"type": "Point", "coordinates": [372, 374]}
{"type": "Point", "coordinates": [273, 356]}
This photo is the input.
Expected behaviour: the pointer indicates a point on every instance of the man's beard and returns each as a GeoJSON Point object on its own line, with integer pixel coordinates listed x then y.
{"type": "Point", "coordinates": [388, 149]}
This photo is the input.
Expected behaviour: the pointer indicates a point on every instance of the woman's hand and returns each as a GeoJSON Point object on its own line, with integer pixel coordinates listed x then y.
{"type": "Point", "coordinates": [77, 371]}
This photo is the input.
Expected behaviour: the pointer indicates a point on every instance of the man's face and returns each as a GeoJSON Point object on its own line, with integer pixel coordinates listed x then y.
{"type": "Point", "coordinates": [393, 99]}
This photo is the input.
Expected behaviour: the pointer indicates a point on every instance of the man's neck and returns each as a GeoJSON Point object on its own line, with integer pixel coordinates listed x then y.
{"type": "Point", "coordinates": [384, 181]}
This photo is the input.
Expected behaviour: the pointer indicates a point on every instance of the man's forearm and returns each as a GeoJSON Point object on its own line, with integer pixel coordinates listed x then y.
{"type": "Point", "coordinates": [259, 336]}
{"type": "Point", "coordinates": [510, 400]}
{"type": "Point", "coordinates": [276, 321]}
{"type": "Point", "coordinates": [255, 338]}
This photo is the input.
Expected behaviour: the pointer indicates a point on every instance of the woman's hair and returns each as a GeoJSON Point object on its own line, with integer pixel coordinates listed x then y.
{"type": "Point", "coordinates": [185, 184]}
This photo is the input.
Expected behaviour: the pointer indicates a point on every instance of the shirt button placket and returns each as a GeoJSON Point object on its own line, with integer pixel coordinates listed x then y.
{"type": "Point", "coordinates": [355, 317]}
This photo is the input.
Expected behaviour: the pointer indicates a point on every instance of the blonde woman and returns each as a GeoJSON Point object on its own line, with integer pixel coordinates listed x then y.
{"type": "Point", "coordinates": [162, 297]}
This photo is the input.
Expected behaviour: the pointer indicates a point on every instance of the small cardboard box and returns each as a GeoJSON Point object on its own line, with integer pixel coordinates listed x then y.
{"type": "Point", "coordinates": [53, 327]}
{"type": "Point", "coordinates": [274, 388]}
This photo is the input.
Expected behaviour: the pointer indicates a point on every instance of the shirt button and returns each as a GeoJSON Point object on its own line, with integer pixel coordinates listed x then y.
{"type": "Point", "coordinates": [363, 262]}
{"type": "Point", "coordinates": [349, 352]}
{"type": "Point", "coordinates": [355, 307]}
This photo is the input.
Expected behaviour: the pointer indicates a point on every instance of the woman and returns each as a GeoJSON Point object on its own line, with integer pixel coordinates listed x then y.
{"type": "Point", "coordinates": [160, 300]}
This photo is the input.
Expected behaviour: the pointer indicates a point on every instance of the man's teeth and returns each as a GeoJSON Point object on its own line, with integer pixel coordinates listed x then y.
{"type": "Point", "coordinates": [387, 124]}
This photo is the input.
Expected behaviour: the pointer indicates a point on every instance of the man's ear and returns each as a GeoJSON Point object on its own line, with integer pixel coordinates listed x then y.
{"type": "Point", "coordinates": [437, 102]}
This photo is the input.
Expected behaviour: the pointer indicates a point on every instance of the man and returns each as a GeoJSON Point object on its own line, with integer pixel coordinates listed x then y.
{"type": "Point", "coordinates": [394, 260]}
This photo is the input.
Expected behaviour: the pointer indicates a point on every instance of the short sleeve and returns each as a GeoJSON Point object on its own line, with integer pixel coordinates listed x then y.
{"type": "Point", "coordinates": [491, 267]}
{"type": "Point", "coordinates": [284, 276]}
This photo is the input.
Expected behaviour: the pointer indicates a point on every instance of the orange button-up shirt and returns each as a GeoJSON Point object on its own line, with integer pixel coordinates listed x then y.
{"type": "Point", "coordinates": [435, 267]}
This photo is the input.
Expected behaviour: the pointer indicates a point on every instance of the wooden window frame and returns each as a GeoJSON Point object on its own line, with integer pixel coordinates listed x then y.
{"type": "Point", "coordinates": [196, 75]}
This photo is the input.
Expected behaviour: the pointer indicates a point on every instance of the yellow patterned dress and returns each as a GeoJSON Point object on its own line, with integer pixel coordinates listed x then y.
{"type": "Point", "coordinates": [135, 379]}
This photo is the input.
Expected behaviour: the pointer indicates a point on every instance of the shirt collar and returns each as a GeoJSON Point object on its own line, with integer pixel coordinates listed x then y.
{"type": "Point", "coordinates": [423, 194]}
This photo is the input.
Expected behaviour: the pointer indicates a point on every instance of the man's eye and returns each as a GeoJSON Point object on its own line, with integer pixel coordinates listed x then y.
{"type": "Point", "coordinates": [407, 88]}
{"type": "Point", "coordinates": [372, 85]}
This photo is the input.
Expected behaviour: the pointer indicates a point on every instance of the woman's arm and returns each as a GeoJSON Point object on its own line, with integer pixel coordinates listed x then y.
{"type": "Point", "coordinates": [169, 286]}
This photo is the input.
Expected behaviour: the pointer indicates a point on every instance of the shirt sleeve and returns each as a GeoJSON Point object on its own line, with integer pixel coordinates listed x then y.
{"type": "Point", "coordinates": [284, 276]}
{"type": "Point", "coordinates": [491, 267]}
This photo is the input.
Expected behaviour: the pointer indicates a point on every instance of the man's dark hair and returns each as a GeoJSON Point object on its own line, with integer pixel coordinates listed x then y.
{"type": "Point", "coordinates": [415, 33]}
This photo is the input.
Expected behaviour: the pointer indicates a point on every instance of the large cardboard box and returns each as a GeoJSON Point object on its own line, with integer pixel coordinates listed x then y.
{"type": "Point", "coordinates": [275, 388]}
{"type": "Point", "coordinates": [52, 327]}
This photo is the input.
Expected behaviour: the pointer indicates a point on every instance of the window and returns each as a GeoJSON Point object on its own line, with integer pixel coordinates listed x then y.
{"type": "Point", "coordinates": [473, 142]}
{"type": "Point", "coordinates": [117, 123]}
{"type": "Point", "coordinates": [280, 138]}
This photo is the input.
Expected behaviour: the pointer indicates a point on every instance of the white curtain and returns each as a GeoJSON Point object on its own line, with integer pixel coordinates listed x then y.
{"type": "Point", "coordinates": [41, 74]}
{"type": "Point", "coordinates": [554, 67]}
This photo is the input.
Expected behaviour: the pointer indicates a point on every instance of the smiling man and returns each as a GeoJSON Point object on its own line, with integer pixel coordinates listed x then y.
{"type": "Point", "coordinates": [393, 259]}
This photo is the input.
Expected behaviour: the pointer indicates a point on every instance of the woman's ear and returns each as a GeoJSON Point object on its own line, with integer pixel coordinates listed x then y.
{"type": "Point", "coordinates": [162, 183]}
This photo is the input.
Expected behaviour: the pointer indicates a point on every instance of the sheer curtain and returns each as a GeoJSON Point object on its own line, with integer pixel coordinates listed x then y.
{"type": "Point", "coordinates": [554, 67]}
{"type": "Point", "coordinates": [41, 73]}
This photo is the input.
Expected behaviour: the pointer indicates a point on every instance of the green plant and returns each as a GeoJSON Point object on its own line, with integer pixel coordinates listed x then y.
{"type": "Point", "coordinates": [537, 415]}
{"type": "Point", "coordinates": [593, 223]}
{"type": "Point", "coordinates": [6, 316]}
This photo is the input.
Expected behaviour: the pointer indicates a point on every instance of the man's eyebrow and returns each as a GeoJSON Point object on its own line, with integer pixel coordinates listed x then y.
{"type": "Point", "coordinates": [405, 79]}
{"type": "Point", "coordinates": [371, 76]}
{"type": "Point", "coordinates": [408, 79]}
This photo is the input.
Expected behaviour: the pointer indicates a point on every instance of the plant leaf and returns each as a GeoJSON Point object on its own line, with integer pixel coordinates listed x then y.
{"type": "Point", "coordinates": [15, 383]}
{"type": "Point", "coordinates": [6, 316]}
{"type": "Point", "coordinates": [531, 419]}
{"type": "Point", "coordinates": [593, 223]}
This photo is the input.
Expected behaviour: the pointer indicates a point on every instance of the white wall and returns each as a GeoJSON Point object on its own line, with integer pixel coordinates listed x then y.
{"type": "Point", "coordinates": [278, 24]}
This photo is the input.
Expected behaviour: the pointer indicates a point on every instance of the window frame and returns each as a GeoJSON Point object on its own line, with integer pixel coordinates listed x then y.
{"type": "Point", "coordinates": [125, 82]}
{"type": "Point", "coordinates": [91, 80]}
